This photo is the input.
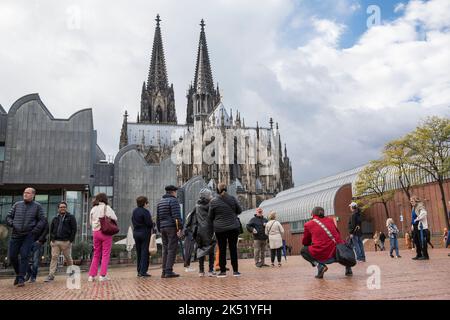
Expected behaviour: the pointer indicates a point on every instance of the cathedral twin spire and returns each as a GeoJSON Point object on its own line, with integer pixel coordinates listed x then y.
{"type": "Point", "coordinates": [157, 98]}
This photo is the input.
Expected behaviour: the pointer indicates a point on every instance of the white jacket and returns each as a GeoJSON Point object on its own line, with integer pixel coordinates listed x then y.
{"type": "Point", "coordinates": [422, 218]}
{"type": "Point", "coordinates": [275, 231]}
{"type": "Point", "coordinates": [98, 212]}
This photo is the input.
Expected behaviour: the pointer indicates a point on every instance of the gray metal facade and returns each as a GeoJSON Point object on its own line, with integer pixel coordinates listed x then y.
{"type": "Point", "coordinates": [134, 177]}
{"type": "Point", "coordinates": [40, 149]}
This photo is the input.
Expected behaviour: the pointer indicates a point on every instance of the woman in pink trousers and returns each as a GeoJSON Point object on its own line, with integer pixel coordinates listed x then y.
{"type": "Point", "coordinates": [102, 242]}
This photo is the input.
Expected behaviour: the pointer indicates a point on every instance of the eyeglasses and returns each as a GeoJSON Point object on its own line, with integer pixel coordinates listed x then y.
{"type": "Point", "coordinates": [63, 207]}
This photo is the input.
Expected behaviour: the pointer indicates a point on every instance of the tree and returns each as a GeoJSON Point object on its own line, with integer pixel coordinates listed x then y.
{"type": "Point", "coordinates": [372, 184]}
{"type": "Point", "coordinates": [398, 156]}
{"type": "Point", "coordinates": [429, 148]}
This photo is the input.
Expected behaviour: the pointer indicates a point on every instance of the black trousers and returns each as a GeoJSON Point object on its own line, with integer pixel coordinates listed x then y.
{"type": "Point", "coordinates": [201, 261]}
{"type": "Point", "coordinates": [276, 252]}
{"type": "Point", "coordinates": [142, 240]}
{"type": "Point", "coordinates": [222, 238]}
{"type": "Point", "coordinates": [421, 248]}
{"type": "Point", "coordinates": [170, 245]}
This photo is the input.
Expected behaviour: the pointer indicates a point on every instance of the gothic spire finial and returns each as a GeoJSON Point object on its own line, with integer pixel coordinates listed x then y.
{"type": "Point", "coordinates": [202, 24]}
{"type": "Point", "coordinates": [157, 76]}
{"type": "Point", "coordinates": [271, 123]}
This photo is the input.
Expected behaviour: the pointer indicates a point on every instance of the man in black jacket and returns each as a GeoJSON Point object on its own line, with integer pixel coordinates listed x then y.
{"type": "Point", "coordinates": [168, 222]}
{"type": "Point", "coordinates": [257, 226]}
{"type": "Point", "coordinates": [35, 255]}
{"type": "Point", "coordinates": [62, 234]}
{"type": "Point", "coordinates": [354, 228]}
{"type": "Point", "coordinates": [27, 220]}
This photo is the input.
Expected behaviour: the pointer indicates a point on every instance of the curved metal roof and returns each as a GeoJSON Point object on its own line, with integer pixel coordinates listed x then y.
{"type": "Point", "coordinates": [296, 204]}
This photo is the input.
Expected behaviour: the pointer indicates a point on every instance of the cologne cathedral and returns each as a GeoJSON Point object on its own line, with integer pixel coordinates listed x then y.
{"type": "Point", "coordinates": [158, 134]}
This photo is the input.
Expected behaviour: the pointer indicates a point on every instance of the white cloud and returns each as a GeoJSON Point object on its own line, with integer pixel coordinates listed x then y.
{"type": "Point", "coordinates": [399, 7]}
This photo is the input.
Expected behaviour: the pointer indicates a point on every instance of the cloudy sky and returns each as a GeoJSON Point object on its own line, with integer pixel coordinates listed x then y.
{"type": "Point", "coordinates": [339, 83]}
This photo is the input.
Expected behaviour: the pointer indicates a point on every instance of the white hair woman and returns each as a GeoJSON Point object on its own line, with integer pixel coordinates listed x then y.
{"type": "Point", "coordinates": [275, 231]}
{"type": "Point", "coordinates": [393, 237]}
{"type": "Point", "coordinates": [419, 227]}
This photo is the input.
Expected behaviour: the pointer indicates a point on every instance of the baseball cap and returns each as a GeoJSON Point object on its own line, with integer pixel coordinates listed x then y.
{"type": "Point", "coordinates": [353, 204]}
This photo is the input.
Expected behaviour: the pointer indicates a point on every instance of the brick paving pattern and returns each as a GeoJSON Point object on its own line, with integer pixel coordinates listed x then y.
{"type": "Point", "coordinates": [400, 279]}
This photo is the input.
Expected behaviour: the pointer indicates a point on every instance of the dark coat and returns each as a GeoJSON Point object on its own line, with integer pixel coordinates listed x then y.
{"type": "Point", "coordinates": [168, 212]}
{"type": "Point", "coordinates": [68, 230]}
{"type": "Point", "coordinates": [354, 224]}
{"type": "Point", "coordinates": [201, 227]}
{"type": "Point", "coordinates": [142, 220]}
{"type": "Point", "coordinates": [223, 212]}
{"type": "Point", "coordinates": [25, 218]}
{"type": "Point", "coordinates": [258, 223]}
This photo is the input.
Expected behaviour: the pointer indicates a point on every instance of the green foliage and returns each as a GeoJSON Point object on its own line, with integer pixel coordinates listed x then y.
{"type": "Point", "coordinates": [117, 249]}
{"type": "Point", "coordinates": [81, 250]}
{"type": "Point", "coordinates": [372, 184]}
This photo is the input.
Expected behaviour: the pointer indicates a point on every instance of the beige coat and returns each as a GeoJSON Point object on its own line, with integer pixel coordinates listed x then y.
{"type": "Point", "coordinates": [275, 231]}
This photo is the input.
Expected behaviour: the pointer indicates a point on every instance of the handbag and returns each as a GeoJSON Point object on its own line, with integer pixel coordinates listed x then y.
{"type": "Point", "coordinates": [344, 252]}
{"type": "Point", "coordinates": [108, 226]}
{"type": "Point", "coordinates": [152, 249]}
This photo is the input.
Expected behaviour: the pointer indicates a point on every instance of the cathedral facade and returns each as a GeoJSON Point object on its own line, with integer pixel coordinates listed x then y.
{"type": "Point", "coordinates": [213, 143]}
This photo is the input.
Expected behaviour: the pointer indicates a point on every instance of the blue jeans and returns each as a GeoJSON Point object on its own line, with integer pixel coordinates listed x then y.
{"type": "Point", "coordinates": [35, 257]}
{"type": "Point", "coordinates": [394, 245]}
{"type": "Point", "coordinates": [20, 246]}
{"type": "Point", "coordinates": [359, 248]}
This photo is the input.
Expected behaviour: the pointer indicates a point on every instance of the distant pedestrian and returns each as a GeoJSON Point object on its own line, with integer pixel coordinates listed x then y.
{"type": "Point", "coordinates": [376, 241]}
{"type": "Point", "coordinates": [257, 226]}
{"type": "Point", "coordinates": [223, 212]}
{"type": "Point", "coordinates": [203, 232]}
{"type": "Point", "coordinates": [62, 234]}
{"type": "Point", "coordinates": [142, 231]}
{"type": "Point", "coordinates": [382, 240]}
{"type": "Point", "coordinates": [35, 255]}
{"type": "Point", "coordinates": [102, 242]}
{"type": "Point", "coordinates": [419, 227]}
{"type": "Point", "coordinates": [168, 221]}
{"type": "Point", "coordinates": [408, 242]}
{"type": "Point", "coordinates": [27, 220]}
{"type": "Point", "coordinates": [393, 237]}
{"type": "Point", "coordinates": [355, 230]}
{"type": "Point", "coordinates": [445, 238]}
{"type": "Point", "coordinates": [275, 231]}
{"type": "Point", "coordinates": [319, 249]}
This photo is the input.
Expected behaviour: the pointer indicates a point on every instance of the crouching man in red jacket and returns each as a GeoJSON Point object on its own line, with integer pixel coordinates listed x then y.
{"type": "Point", "coordinates": [319, 249]}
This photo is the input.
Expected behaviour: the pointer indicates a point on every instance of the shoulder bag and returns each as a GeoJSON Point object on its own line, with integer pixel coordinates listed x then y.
{"type": "Point", "coordinates": [344, 253]}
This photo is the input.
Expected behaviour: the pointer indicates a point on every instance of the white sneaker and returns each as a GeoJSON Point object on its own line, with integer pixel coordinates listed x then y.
{"type": "Point", "coordinates": [211, 274]}
{"type": "Point", "coordinates": [189, 269]}
{"type": "Point", "coordinates": [103, 278]}
{"type": "Point", "coordinates": [201, 274]}
{"type": "Point", "coordinates": [91, 279]}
